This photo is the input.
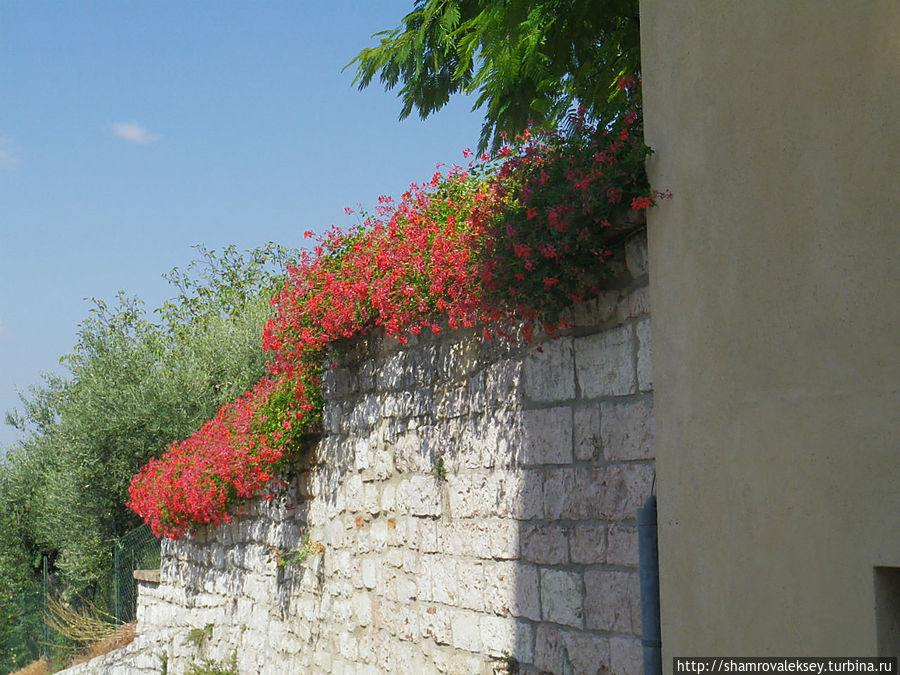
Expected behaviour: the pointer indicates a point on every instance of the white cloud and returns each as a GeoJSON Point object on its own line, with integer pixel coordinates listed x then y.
{"type": "Point", "coordinates": [8, 158]}
{"type": "Point", "coordinates": [134, 133]}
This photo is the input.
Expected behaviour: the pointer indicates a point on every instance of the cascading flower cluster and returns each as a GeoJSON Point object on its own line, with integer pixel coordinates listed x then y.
{"type": "Point", "coordinates": [519, 236]}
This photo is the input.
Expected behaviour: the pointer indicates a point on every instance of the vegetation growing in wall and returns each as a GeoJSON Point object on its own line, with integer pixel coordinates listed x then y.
{"type": "Point", "coordinates": [517, 236]}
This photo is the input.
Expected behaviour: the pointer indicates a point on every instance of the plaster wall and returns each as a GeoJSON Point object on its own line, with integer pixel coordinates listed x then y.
{"type": "Point", "coordinates": [775, 279]}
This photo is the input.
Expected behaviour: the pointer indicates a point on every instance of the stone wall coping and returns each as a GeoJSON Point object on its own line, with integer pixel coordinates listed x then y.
{"type": "Point", "coordinates": [149, 576]}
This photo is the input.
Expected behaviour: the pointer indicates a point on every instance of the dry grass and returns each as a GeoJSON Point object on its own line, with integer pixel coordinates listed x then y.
{"type": "Point", "coordinates": [91, 631]}
{"type": "Point", "coordinates": [123, 636]}
{"type": "Point", "coordinates": [34, 668]}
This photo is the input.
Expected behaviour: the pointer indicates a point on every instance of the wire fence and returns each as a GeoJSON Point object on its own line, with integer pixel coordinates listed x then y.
{"type": "Point", "coordinates": [24, 633]}
{"type": "Point", "coordinates": [136, 550]}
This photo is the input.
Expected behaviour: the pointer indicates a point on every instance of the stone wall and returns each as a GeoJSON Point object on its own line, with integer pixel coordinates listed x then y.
{"type": "Point", "coordinates": [476, 507]}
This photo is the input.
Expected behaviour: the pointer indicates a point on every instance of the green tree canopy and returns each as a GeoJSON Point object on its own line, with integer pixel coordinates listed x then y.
{"type": "Point", "coordinates": [137, 381]}
{"type": "Point", "coordinates": [528, 61]}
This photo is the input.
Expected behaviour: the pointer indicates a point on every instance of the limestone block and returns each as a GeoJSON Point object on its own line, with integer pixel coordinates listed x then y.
{"type": "Point", "coordinates": [644, 355]}
{"type": "Point", "coordinates": [519, 495]}
{"type": "Point", "coordinates": [464, 537]}
{"type": "Point", "coordinates": [389, 498]}
{"type": "Point", "coordinates": [588, 653]}
{"type": "Point", "coordinates": [513, 588]}
{"type": "Point", "coordinates": [426, 535]}
{"type": "Point", "coordinates": [501, 636]}
{"type": "Point", "coordinates": [466, 630]}
{"type": "Point", "coordinates": [626, 656]}
{"type": "Point", "coordinates": [338, 382]}
{"type": "Point", "coordinates": [559, 490]}
{"type": "Point", "coordinates": [594, 311]}
{"type": "Point", "coordinates": [503, 383]}
{"type": "Point", "coordinates": [586, 431]}
{"type": "Point", "coordinates": [500, 435]}
{"type": "Point", "coordinates": [503, 537]}
{"type": "Point", "coordinates": [549, 371]}
{"type": "Point", "coordinates": [623, 489]}
{"type": "Point", "coordinates": [626, 429]}
{"type": "Point", "coordinates": [412, 562]}
{"type": "Point", "coordinates": [613, 601]}
{"type": "Point", "coordinates": [369, 572]}
{"type": "Point", "coordinates": [470, 583]}
{"type": "Point", "coordinates": [434, 622]}
{"type": "Point", "coordinates": [407, 621]}
{"type": "Point", "coordinates": [605, 363]}
{"type": "Point", "coordinates": [467, 493]}
{"type": "Point", "coordinates": [544, 544]}
{"type": "Point", "coordinates": [547, 436]}
{"type": "Point", "coordinates": [378, 533]}
{"type": "Point", "coordinates": [420, 495]}
{"type": "Point", "coordinates": [353, 492]}
{"type": "Point", "coordinates": [622, 546]}
{"type": "Point", "coordinates": [562, 597]}
{"type": "Point", "coordinates": [633, 305]}
{"type": "Point", "coordinates": [636, 255]}
{"type": "Point", "coordinates": [549, 649]}
{"type": "Point", "coordinates": [440, 579]}
{"type": "Point", "coordinates": [394, 557]}
{"type": "Point", "coordinates": [588, 544]}
{"type": "Point", "coordinates": [361, 604]}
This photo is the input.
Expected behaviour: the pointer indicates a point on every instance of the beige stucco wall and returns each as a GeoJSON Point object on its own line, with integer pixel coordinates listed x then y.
{"type": "Point", "coordinates": [775, 287]}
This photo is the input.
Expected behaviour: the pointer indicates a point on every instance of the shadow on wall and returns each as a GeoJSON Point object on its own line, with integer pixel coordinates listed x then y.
{"type": "Point", "coordinates": [471, 507]}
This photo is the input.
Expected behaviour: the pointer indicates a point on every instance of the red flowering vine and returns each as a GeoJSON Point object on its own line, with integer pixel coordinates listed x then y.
{"type": "Point", "coordinates": [501, 240]}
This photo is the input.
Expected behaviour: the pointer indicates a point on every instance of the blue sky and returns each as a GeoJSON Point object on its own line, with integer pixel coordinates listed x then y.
{"type": "Point", "coordinates": [131, 131]}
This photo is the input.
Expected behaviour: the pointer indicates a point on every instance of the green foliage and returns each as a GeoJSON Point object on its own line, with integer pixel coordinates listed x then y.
{"type": "Point", "coordinates": [197, 636]}
{"type": "Point", "coordinates": [528, 61]}
{"type": "Point", "coordinates": [137, 381]}
{"type": "Point", "coordinates": [297, 555]}
{"type": "Point", "coordinates": [439, 470]}
{"type": "Point", "coordinates": [211, 667]}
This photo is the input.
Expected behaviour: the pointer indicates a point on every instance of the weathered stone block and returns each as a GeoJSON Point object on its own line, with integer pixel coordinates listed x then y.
{"type": "Point", "coordinates": [550, 372]}
{"type": "Point", "coordinates": [544, 544]}
{"type": "Point", "coordinates": [612, 601]}
{"type": "Point", "coordinates": [519, 495]}
{"type": "Point", "coordinates": [467, 494]}
{"type": "Point", "coordinates": [470, 584]}
{"type": "Point", "coordinates": [369, 570]}
{"type": "Point", "coordinates": [503, 383]}
{"type": "Point", "coordinates": [421, 495]}
{"type": "Point", "coordinates": [644, 355]}
{"type": "Point", "coordinates": [622, 546]}
{"type": "Point", "coordinates": [559, 487]}
{"type": "Point", "coordinates": [434, 622]}
{"type": "Point", "coordinates": [562, 597]}
{"type": "Point", "coordinates": [501, 636]}
{"type": "Point", "coordinates": [547, 436]}
{"type": "Point", "coordinates": [588, 653]}
{"type": "Point", "coordinates": [636, 255]}
{"type": "Point", "coordinates": [586, 431]}
{"type": "Point", "coordinates": [587, 544]}
{"type": "Point", "coordinates": [466, 631]}
{"type": "Point", "coordinates": [513, 588]}
{"type": "Point", "coordinates": [626, 656]}
{"type": "Point", "coordinates": [626, 429]}
{"type": "Point", "coordinates": [623, 489]}
{"type": "Point", "coordinates": [605, 363]}
{"type": "Point", "coordinates": [550, 649]}
{"type": "Point", "coordinates": [634, 305]}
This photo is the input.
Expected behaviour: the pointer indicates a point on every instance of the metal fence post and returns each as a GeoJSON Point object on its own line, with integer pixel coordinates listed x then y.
{"type": "Point", "coordinates": [45, 630]}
